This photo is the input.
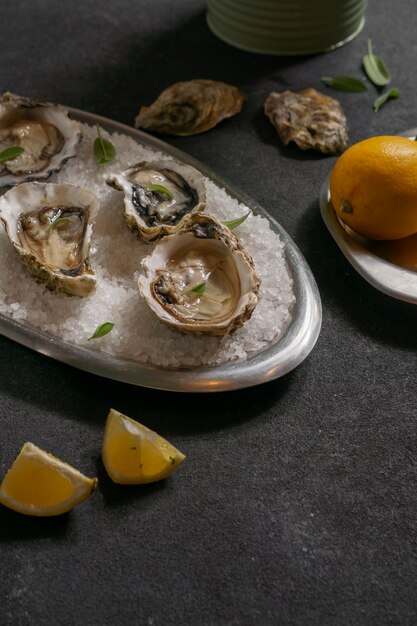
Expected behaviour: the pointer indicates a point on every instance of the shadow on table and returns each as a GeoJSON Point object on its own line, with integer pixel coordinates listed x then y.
{"type": "Point", "coordinates": [115, 495]}
{"type": "Point", "coordinates": [43, 384]}
{"type": "Point", "coordinates": [18, 527]}
{"type": "Point", "coordinates": [373, 313]}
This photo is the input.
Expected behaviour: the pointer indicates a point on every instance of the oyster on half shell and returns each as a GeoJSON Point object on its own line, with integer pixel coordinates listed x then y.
{"type": "Point", "coordinates": [200, 280]}
{"type": "Point", "coordinates": [191, 107]}
{"type": "Point", "coordinates": [45, 132]}
{"type": "Point", "coordinates": [50, 226]}
{"type": "Point", "coordinates": [158, 195]}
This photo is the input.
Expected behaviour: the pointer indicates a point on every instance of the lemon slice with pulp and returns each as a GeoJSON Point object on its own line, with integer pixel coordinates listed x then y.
{"type": "Point", "coordinates": [134, 454]}
{"type": "Point", "coordinates": [40, 484]}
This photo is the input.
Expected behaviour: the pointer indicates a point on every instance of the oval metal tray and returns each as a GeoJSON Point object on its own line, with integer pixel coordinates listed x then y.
{"type": "Point", "coordinates": [275, 361]}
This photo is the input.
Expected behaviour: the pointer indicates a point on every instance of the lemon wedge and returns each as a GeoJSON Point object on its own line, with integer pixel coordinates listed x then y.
{"type": "Point", "coordinates": [133, 454]}
{"type": "Point", "coordinates": [40, 484]}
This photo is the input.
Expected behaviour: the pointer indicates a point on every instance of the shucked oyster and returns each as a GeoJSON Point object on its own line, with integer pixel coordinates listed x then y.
{"type": "Point", "coordinates": [50, 226]}
{"type": "Point", "coordinates": [158, 195]}
{"type": "Point", "coordinates": [190, 107]}
{"type": "Point", "coordinates": [309, 118]}
{"type": "Point", "coordinates": [45, 132]}
{"type": "Point", "coordinates": [200, 280]}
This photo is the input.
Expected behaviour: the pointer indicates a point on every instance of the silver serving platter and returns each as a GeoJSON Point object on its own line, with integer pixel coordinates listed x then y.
{"type": "Point", "coordinates": [275, 361]}
{"type": "Point", "coordinates": [394, 280]}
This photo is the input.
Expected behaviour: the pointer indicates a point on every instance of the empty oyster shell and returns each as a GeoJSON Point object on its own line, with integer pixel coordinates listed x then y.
{"type": "Point", "coordinates": [158, 195]}
{"type": "Point", "coordinates": [50, 226]}
{"type": "Point", "coordinates": [45, 132]}
{"type": "Point", "coordinates": [190, 107]}
{"type": "Point", "coordinates": [200, 280]}
{"type": "Point", "coordinates": [309, 118]}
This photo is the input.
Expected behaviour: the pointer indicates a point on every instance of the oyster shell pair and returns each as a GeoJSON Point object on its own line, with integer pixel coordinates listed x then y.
{"type": "Point", "coordinates": [308, 117]}
{"type": "Point", "coordinates": [49, 225]}
{"type": "Point", "coordinates": [198, 279]}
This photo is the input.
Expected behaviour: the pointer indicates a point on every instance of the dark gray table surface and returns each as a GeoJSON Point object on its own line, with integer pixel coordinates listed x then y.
{"type": "Point", "coordinates": [298, 501]}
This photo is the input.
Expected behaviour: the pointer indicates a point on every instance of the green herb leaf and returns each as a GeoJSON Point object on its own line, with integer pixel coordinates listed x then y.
{"type": "Point", "coordinates": [104, 150]}
{"type": "Point", "coordinates": [392, 93]}
{"type": "Point", "coordinates": [344, 83]}
{"type": "Point", "coordinates": [10, 153]}
{"type": "Point", "coordinates": [235, 223]}
{"type": "Point", "coordinates": [59, 220]}
{"type": "Point", "coordinates": [102, 330]}
{"type": "Point", "coordinates": [172, 459]}
{"type": "Point", "coordinates": [200, 288]}
{"type": "Point", "coordinates": [375, 68]}
{"type": "Point", "coordinates": [161, 189]}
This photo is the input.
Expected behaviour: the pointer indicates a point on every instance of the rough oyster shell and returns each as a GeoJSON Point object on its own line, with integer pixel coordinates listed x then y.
{"type": "Point", "coordinates": [190, 107]}
{"type": "Point", "coordinates": [50, 226]}
{"type": "Point", "coordinates": [158, 195]}
{"type": "Point", "coordinates": [44, 130]}
{"type": "Point", "coordinates": [202, 252]}
{"type": "Point", "coordinates": [309, 118]}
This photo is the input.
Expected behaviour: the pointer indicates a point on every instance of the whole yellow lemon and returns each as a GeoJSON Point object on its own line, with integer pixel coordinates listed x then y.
{"type": "Point", "coordinates": [373, 187]}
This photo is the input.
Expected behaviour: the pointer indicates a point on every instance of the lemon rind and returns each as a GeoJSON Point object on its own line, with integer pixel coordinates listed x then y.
{"type": "Point", "coordinates": [117, 421]}
{"type": "Point", "coordinates": [83, 486]}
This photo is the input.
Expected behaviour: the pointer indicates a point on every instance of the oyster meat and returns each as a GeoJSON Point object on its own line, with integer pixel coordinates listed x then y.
{"type": "Point", "coordinates": [50, 226]}
{"type": "Point", "coordinates": [45, 132]}
{"type": "Point", "coordinates": [190, 107]}
{"type": "Point", "coordinates": [200, 280]}
{"type": "Point", "coordinates": [309, 118]}
{"type": "Point", "coordinates": [158, 195]}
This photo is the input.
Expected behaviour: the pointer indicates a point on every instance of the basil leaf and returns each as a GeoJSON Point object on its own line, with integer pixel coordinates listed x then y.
{"type": "Point", "coordinates": [59, 220]}
{"type": "Point", "coordinates": [200, 288]}
{"type": "Point", "coordinates": [10, 153]}
{"type": "Point", "coordinates": [344, 83]}
{"type": "Point", "coordinates": [102, 330]}
{"type": "Point", "coordinates": [392, 93]}
{"type": "Point", "coordinates": [161, 189]}
{"type": "Point", "coordinates": [235, 223]}
{"type": "Point", "coordinates": [375, 68]}
{"type": "Point", "coordinates": [104, 150]}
